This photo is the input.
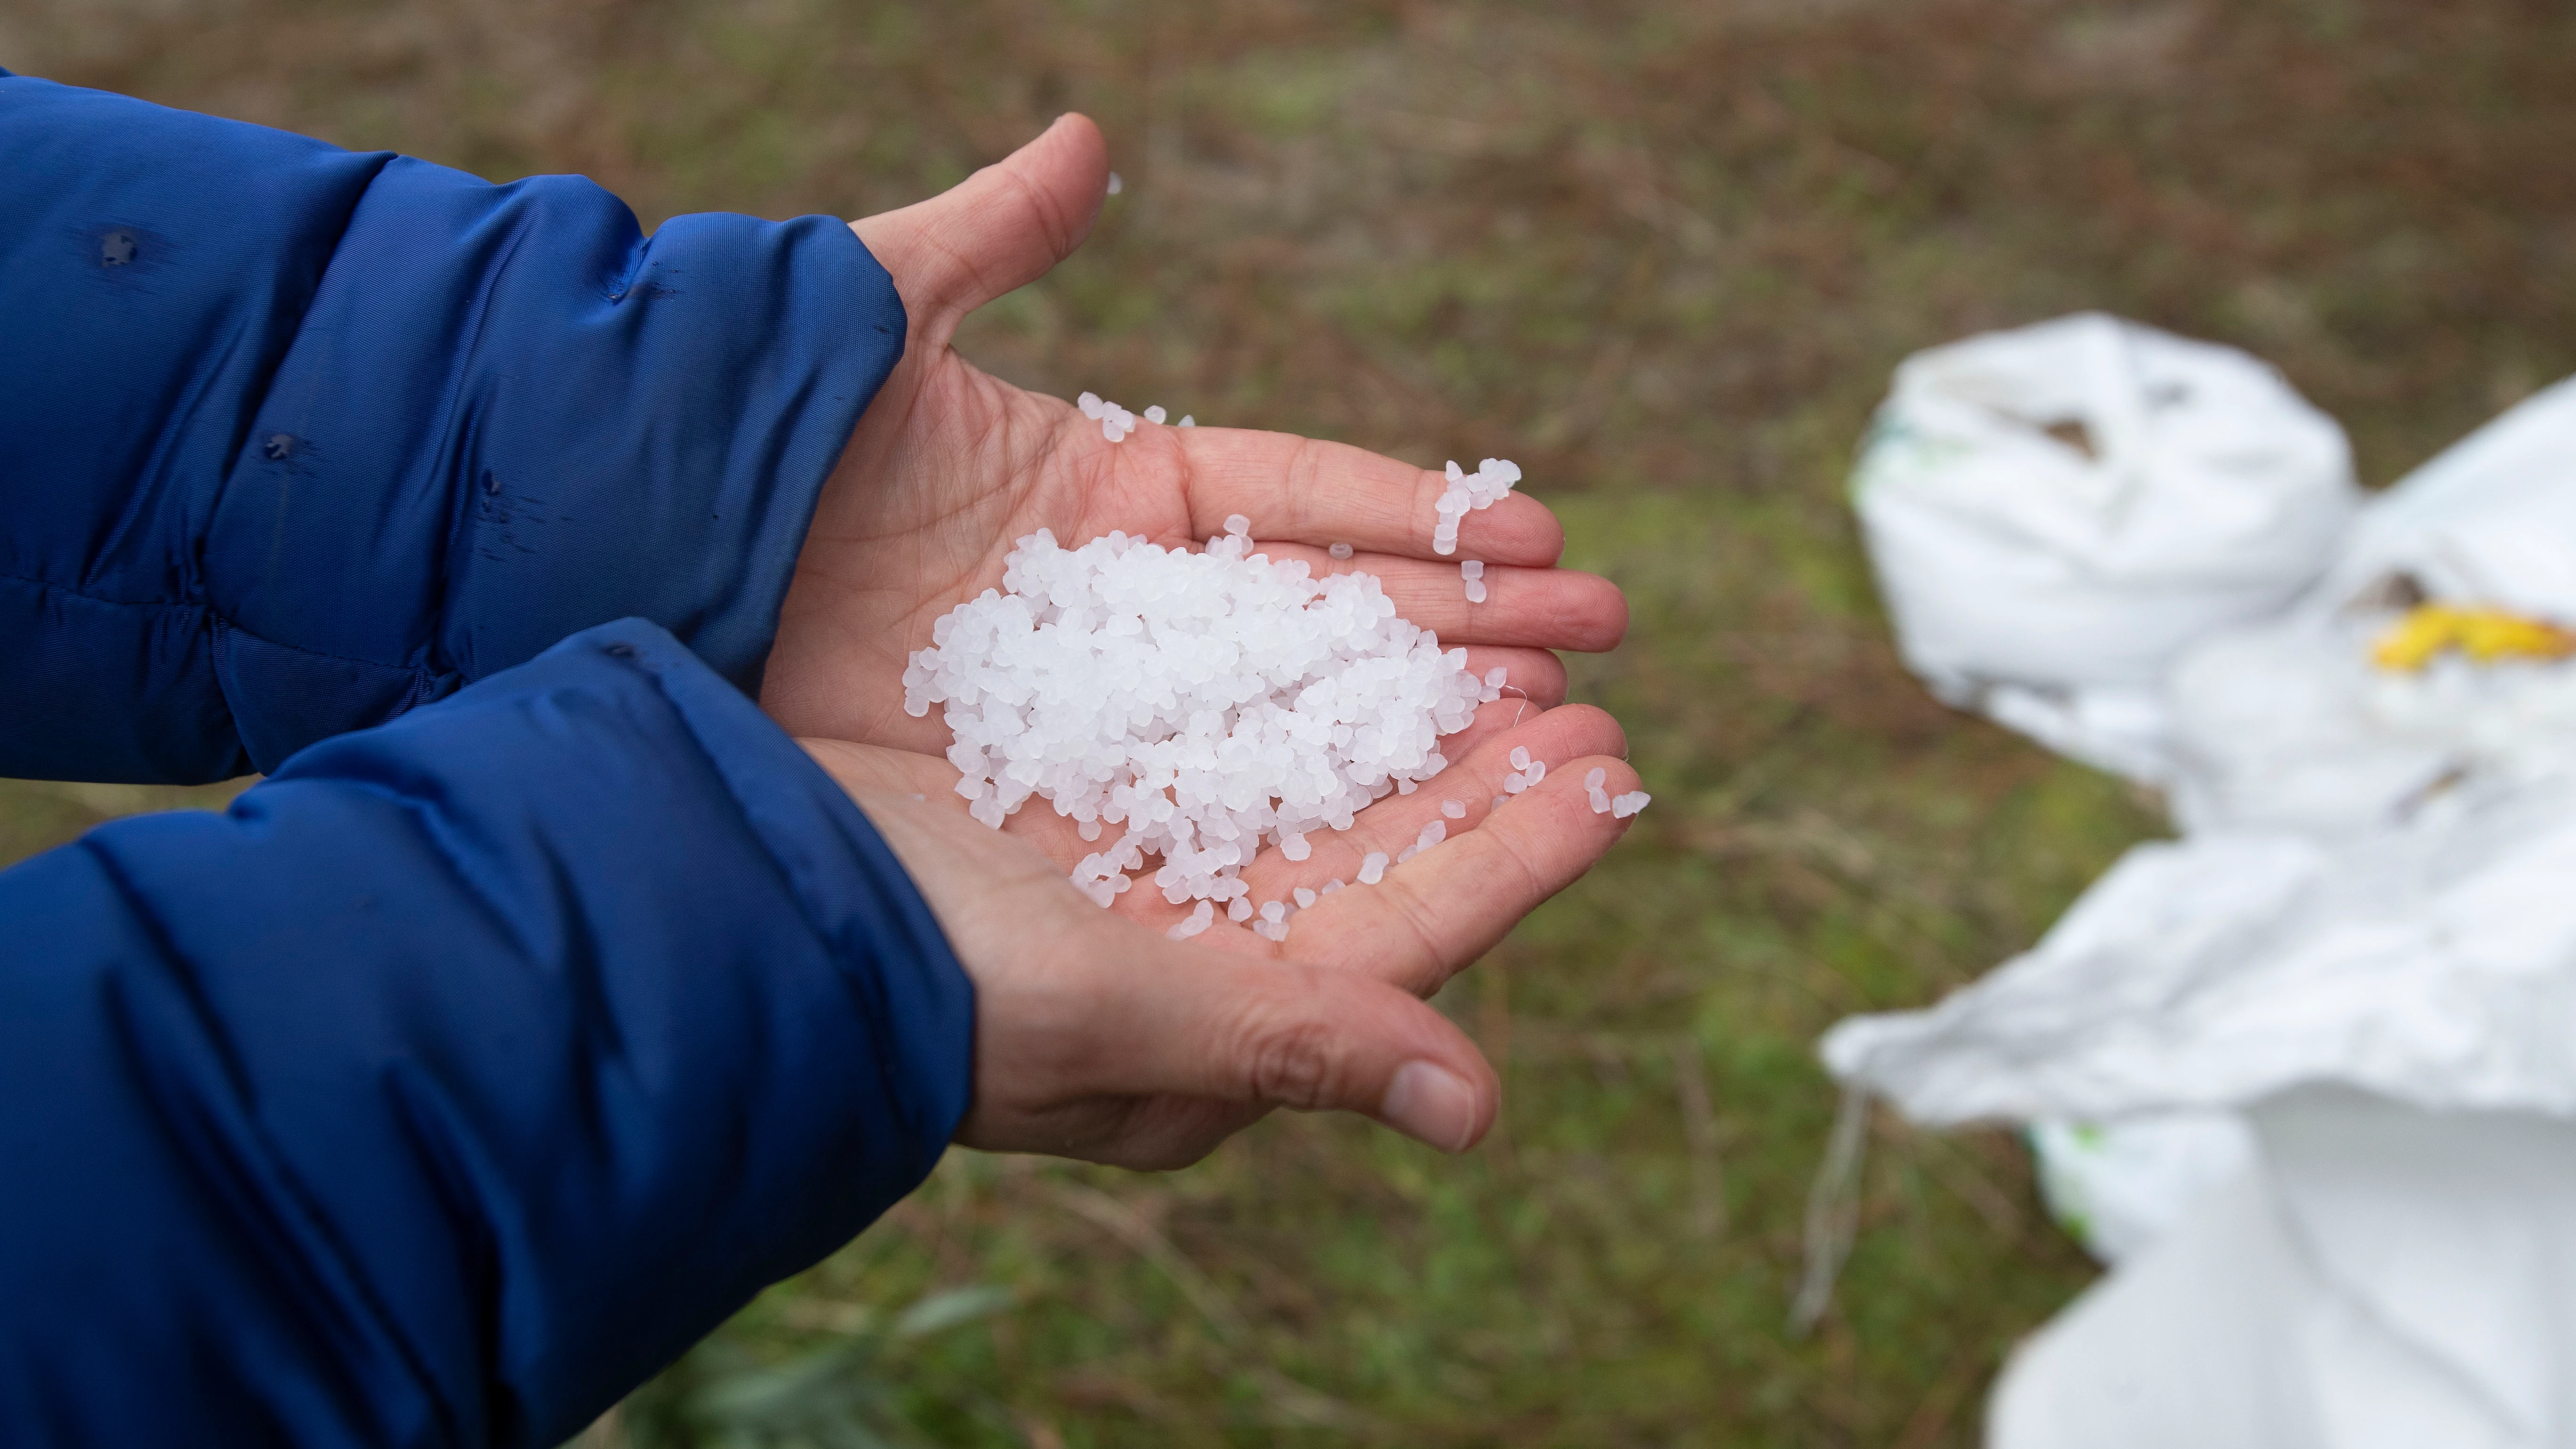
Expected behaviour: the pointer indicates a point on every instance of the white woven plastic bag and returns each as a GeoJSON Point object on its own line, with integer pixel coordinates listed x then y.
{"type": "Point", "coordinates": [2290, 724]}
{"type": "Point", "coordinates": [2393, 1015]}
{"type": "Point", "coordinates": [2322, 1051]}
{"type": "Point", "coordinates": [2055, 511]}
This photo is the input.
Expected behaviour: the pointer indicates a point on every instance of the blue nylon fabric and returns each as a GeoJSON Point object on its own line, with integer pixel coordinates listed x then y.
{"type": "Point", "coordinates": [293, 439]}
{"type": "Point", "coordinates": [460, 1075]}
{"type": "Point", "coordinates": [476, 1063]}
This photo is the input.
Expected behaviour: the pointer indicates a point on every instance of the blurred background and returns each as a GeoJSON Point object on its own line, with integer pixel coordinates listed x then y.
{"type": "Point", "coordinates": [1664, 255]}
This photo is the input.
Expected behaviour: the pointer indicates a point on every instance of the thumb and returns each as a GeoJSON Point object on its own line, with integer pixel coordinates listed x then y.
{"type": "Point", "coordinates": [1197, 1023]}
{"type": "Point", "coordinates": [1001, 228]}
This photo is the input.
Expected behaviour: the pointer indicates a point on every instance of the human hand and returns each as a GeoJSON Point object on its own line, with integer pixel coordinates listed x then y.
{"type": "Point", "coordinates": [949, 466]}
{"type": "Point", "coordinates": [1120, 1044]}
{"type": "Point", "coordinates": [1099, 1037]}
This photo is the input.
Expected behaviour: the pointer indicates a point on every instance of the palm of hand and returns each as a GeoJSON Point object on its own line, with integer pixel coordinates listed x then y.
{"type": "Point", "coordinates": [948, 469]}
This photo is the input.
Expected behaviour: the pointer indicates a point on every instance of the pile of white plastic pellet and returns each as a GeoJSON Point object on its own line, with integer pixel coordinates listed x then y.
{"type": "Point", "coordinates": [1205, 704]}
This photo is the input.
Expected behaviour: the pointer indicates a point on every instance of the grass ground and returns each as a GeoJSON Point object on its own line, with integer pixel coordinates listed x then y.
{"type": "Point", "coordinates": [1664, 255]}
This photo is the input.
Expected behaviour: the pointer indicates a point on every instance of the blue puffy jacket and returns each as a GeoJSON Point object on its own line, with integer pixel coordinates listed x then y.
{"type": "Point", "coordinates": [546, 1002]}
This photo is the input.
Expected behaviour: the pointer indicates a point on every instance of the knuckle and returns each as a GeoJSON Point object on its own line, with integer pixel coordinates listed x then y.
{"type": "Point", "coordinates": [1293, 1064]}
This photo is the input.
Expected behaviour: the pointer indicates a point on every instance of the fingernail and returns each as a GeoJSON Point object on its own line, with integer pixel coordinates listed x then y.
{"type": "Point", "coordinates": [1432, 1105]}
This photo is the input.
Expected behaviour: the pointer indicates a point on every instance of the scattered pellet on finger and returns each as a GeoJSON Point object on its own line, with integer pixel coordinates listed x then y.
{"type": "Point", "coordinates": [1199, 920]}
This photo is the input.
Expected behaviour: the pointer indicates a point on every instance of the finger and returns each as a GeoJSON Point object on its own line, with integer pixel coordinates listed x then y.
{"type": "Point", "coordinates": [1306, 491]}
{"type": "Point", "coordinates": [1476, 774]}
{"type": "Point", "coordinates": [999, 229]}
{"type": "Point", "coordinates": [1181, 1021]}
{"type": "Point", "coordinates": [1436, 913]}
{"type": "Point", "coordinates": [1535, 675]}
{"type": "Point", "coordinates": [1544, 608]}
{"type": "Point", "coordinates": [1494, 717]}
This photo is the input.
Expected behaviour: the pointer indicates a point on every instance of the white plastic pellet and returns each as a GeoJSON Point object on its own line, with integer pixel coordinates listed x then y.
{"type": "Point", "coordinates": [1454, 809]}
{"type": "Point", "coordinates": [1341, 552]}
{"type": "Point", "coordinates": [1475, 591]}
{"type": "Point", "coordinates": [1188, 422]}
{"type": "Point", "coordinates": [1373, 867]}
{"type": "Point", "coordinates": [1155, 414]}
{"type": "Point", "coordinates": [1330, 886]}
{"type": "Point", "coordinates": [1198, 921]}
{"type": "Point", "coordinates": [1115, 422]}
{"type": "Point", "coordinates": [1304, 897]}
{"type": "Point", "coordinates": [1294, 846]}
{"type": "Point", "coordinates": [1237, 526]}
{"type": "Point", "coordinates": [1593, 777]}
{"type": "Point", "coordinates": [1239, 909]}
{"type": "Point", "coordinates": [1520, 757]}
{"type": "Point", "coordinates": [1488, 485]}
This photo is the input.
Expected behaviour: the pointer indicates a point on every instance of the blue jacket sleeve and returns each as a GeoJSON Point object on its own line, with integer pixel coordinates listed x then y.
{"type": "Point", "coordinates": [293, 439]}
{"type": "Point", "coordinates": [461, 1075]}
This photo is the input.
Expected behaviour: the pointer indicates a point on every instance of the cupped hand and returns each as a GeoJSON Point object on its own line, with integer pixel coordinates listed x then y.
{"type": "Point", "coordinates": [950, 466]}
{"type": "Point", "coordinates": [1098, 1036]}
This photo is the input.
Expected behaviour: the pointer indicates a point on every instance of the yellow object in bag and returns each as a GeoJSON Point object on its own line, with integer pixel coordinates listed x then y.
{"type": "Point", "coordinates": [2484, 634]}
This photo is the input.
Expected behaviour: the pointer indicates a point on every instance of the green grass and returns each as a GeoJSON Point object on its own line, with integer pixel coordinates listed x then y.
{"type": "Point", "coordinates": [1664, 255]}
